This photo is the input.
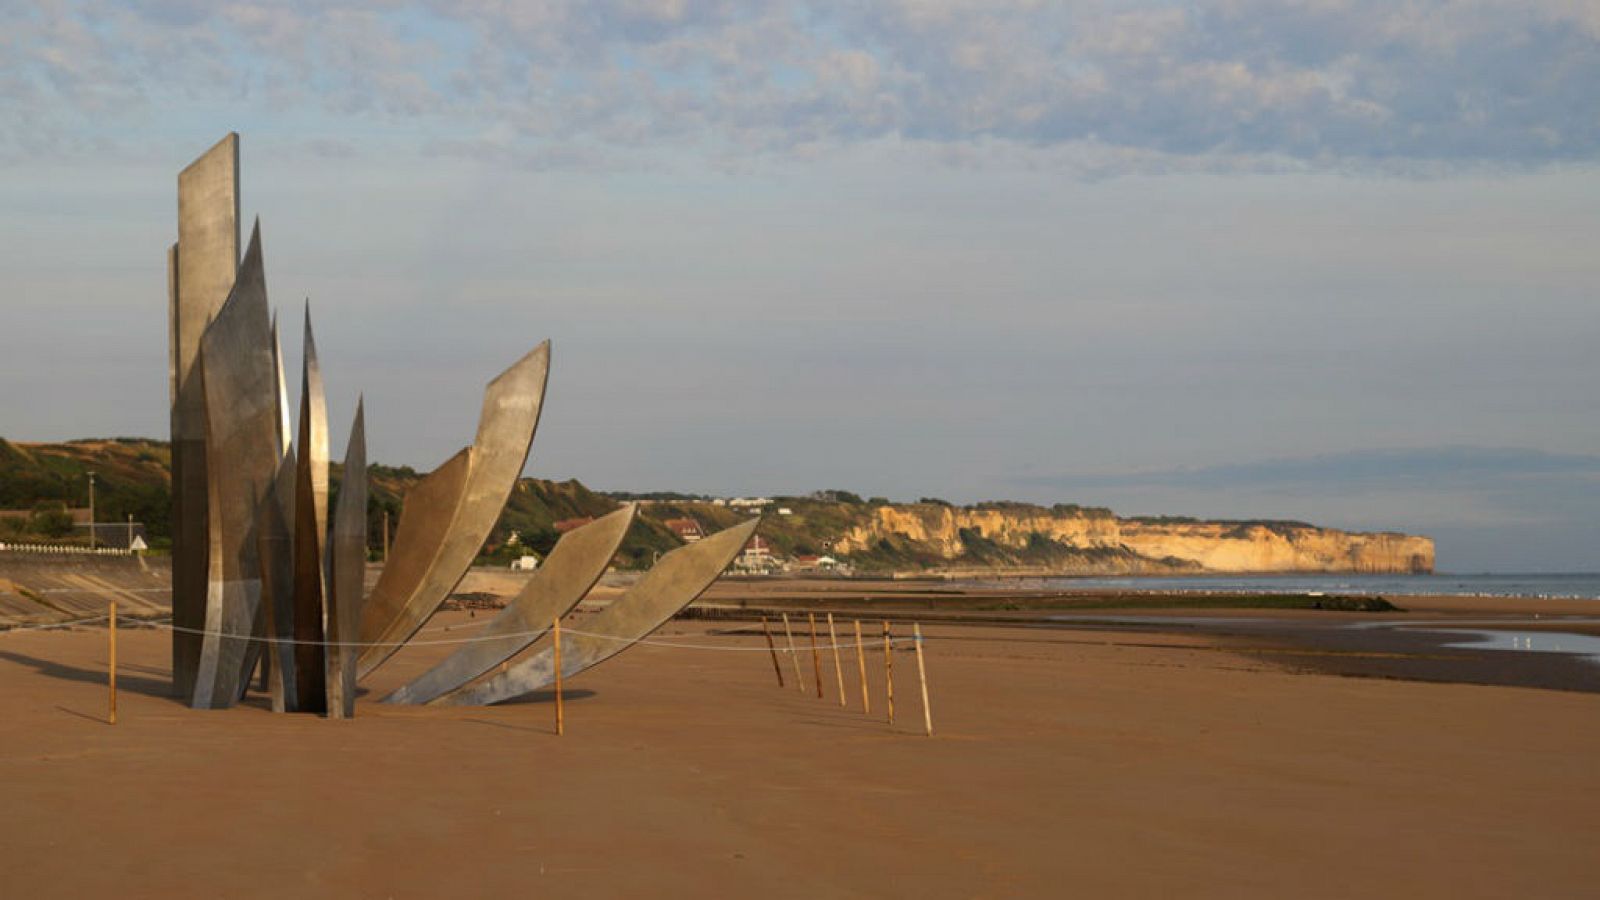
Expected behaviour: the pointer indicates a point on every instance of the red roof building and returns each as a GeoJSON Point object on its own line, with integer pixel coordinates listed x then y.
{"type": "Point", "coordinates": [687, 530]}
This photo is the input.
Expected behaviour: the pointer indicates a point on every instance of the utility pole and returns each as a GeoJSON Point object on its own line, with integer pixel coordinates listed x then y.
{"type": "Point", "coordinates": [91, 510]}
{"type": "Point", "coordinates": [130, 532]}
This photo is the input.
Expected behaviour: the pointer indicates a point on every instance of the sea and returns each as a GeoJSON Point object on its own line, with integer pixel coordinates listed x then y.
{"type": "Point", "coordinates": [1567, 585]}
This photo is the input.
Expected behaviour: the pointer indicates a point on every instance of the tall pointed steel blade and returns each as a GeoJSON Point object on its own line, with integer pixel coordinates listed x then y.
{"type": "Point", "coordinates": [275, 546]}
{"type": "Point", "coordinates": [572, 568]}
{"type": "Point", "coordinates": [242, 459]}
{"type": "Point", "coordinates": [310, 531]}
{"type": "Point", "coordinates": [676, 580]}
{"type": "Point", "coordinates": [201, 269]}
{"type": "Point", "coordinates": [347, 564]}
{"type": "Point", "coordinates": [506, 427]}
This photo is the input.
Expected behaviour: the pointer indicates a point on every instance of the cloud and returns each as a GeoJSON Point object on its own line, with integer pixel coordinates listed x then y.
{"type": "Point", "coordinates": [1318, 83]}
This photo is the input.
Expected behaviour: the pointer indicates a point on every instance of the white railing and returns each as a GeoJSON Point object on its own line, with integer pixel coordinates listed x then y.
{"type": "Point", "coordinates": [63, 548]}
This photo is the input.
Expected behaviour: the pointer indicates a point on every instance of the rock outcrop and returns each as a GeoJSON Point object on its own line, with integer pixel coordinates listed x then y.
{"type": "Point", "coordinates": [1104, 542]}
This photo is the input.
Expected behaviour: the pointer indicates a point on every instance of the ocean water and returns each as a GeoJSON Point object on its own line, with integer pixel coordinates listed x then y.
{"type": "Point", "coordinates": [1580, 585]}
{"type": "Point", "coordinates": [1535, 641]}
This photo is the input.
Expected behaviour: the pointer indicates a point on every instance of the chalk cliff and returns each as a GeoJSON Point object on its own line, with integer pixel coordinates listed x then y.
{"type": "Point", "coordinates": [1096, 540]}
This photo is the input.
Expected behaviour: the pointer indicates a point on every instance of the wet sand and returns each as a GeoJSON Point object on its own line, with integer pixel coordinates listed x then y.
{"type": "Point", "coordinates": [1066, 762]}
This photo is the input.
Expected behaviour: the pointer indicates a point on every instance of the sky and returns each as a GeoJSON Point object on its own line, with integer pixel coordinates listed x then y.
{"type": "Point", "coordinates": [1331, 260]}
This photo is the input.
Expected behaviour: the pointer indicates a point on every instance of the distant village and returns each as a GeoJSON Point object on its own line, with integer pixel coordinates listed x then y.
{"type": "Point", "coordinates": [757, 557]}
{"type": "Point", "coordinates": [78, 532]}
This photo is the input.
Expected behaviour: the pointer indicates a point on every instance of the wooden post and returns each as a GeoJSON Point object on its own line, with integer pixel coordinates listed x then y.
{"type": "Point", "coordinates": [888, 667]}
{"type": "Point", "coordinates": [560, 717]}
{"type": "Point", "coordinates": [922, 677]}
{"type": "Point", "coordinates": [111, 680]}
{"type": "Point", "coordinates": [773, 649]}
{"type": "Point", "coordinates": [816, 655]}
{"type": "Point", "coordinates": [861, 662]}
{"type": "Point", "coordinates": [838, 667]}
{"type": "Point", "coordinates": [793, 657]}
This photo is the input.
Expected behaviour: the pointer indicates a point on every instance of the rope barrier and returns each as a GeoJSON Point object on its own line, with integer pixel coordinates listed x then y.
{"type": "Point", "coordinates": [101, 591]}
{"type": "Point", "coordinates": [656, 642]}
{"type": "Point", "coordinates": [48, 625]}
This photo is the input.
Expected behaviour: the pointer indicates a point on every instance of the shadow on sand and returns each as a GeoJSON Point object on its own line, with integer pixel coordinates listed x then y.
{"type": "Point", "coordinates": [139, 684]}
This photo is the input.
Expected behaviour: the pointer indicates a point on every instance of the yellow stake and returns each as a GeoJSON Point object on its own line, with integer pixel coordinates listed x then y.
{"type": "Point", "coordinates": [922, 676]}
{"type": "Point", "coordinates": [838, 667]}
{"type": "Point", "coordinates": [112, 676]}
{"type": "Point", "coordinates": [560, 718]}
{"type": "Point", "coordinates": [776, 669]}
{"type": "Point", "coordinates": [793, 657]}
{"type": "Point", "coordinates": [888, 667]}
{"type": "Point", "coordinates": [861, 661]}
{"type": "Point", "coordinates": [816, 655]}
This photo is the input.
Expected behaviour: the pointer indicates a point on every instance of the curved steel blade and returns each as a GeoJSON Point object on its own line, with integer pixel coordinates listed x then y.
{"type": "Point", "coordinates": [506, 427]}
{"type": "Point", "coordinates": [676, 580]}
{"type": "Point", "coordinates": [571, 569]}
{"type": "Point", "coordinates": [425, 519]}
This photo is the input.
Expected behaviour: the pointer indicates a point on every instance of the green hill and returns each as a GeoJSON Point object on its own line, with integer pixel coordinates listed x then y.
{"type": "Point", "coordinates": [133, 478]}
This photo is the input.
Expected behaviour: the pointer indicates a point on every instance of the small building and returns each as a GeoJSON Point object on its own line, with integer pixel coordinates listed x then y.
{"type": "Point", "coordinates": [687, 530]}
{"type": "Point", "coordinates": [757, 553]}
{"type": "Point", "coordinates": [810, 562]}
{"type": "Point", "coordinates": [525, 563]}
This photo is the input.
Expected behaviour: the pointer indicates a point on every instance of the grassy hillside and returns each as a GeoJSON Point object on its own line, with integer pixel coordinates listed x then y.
{"type": "Point", "coordinates": [133, 478]}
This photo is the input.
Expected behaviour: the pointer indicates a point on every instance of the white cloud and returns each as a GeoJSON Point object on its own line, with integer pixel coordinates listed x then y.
{"type": "Point", "coordinates": [1358, 82]}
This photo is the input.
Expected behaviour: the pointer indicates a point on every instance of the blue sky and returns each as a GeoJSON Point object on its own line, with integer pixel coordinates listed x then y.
{"type": "Point", "coordinates": [1325, 260]}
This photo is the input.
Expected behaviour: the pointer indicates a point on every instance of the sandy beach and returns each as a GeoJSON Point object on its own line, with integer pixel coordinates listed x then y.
{"type": "Point", "coordinates": [1087, 762]}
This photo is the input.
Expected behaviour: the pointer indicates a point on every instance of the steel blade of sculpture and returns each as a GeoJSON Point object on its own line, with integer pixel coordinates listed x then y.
{"type": "Point", "coordinates": [263, 572]}
{"type": "Point", "coordinates": [560, 582]}
{"type": "Point", "coordinates": [672, 584]}
{"type": "Point", "coordinates": [276, 548]}
{"type": "Point", "coordinates": [242, 459]}
{"type": "Point", "coordinates": [310, 532]}
{"type": "Point", "coordinates": [275, 544]}
{"type": "Point", "coordinates": [201, 268]}
{"type": "Point", "coordinates": [506, 427]}
{"type": "Point", "coordinates": [347, 565]}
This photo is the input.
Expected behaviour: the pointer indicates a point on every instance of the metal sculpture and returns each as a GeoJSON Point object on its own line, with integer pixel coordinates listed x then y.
{"type": "Point", "coordinates": [264, 577]}
{"type": "Point", "coordinates": [567, 574]}
{"type": "Point", "coordinates": [672, 584]}
{"type": "Point", "coordinates": [506, 427]}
